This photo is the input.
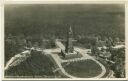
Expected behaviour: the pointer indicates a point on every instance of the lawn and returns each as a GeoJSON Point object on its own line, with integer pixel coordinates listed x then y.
{"type": "Point", "coordinates": [83, 69]}
{"type": "Point", "coordinates": [37, 65]}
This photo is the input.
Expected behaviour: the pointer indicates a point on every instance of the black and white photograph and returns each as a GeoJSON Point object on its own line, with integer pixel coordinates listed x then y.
{"type": "Point", "coordinates": [58, 41]}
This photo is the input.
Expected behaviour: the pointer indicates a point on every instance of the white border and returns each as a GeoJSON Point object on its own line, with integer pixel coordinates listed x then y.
{"type": "Point", "coordinates": [1, 37]}
{"type": "Point", "coordinates": [62, 2]}
{"type": "Point", "coordinates": [126, 39]}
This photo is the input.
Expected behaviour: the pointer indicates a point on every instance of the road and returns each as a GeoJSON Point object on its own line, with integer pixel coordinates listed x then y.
{"type": "Point", "coordinates": [84, 53]}
{"type": "Point", "coordinates": [17, 59]}
{"type": "Point", "coordinates": [58, 62]}
{"type": "Point", "coordinates": [54, 53]}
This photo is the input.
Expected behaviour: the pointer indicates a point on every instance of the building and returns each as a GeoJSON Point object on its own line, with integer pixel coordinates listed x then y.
{"type": "Point", "coordinates": [69, 51]}
{"type": "Point", "coordinates": [69, 44]}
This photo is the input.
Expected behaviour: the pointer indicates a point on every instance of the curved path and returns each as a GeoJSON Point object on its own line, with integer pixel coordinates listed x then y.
{"type": "Point", "coordinates": [84, 53]}
{"type": "Point", "coordinates": [17, 59]}
{"type": "Point", "coordinates": [58, 60]}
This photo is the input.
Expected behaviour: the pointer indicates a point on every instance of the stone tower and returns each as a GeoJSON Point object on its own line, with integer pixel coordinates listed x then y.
{"type": "Point", "coordinates": [69, 44]}
{"type": "Point", "coordinates": [69, 51]}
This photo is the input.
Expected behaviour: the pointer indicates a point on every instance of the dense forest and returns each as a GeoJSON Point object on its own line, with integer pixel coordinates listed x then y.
{"type": "Point", "coordinates": [46, 21]}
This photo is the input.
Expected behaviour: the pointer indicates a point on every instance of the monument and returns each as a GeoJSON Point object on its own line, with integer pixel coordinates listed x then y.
{"type": "Point", "coordinates": [69, 44]}
{"type": "Point", "coordinates": [69, 51]}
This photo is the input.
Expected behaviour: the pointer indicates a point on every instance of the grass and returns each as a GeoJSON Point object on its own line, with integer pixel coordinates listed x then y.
{"type": "Point", "coordinates": [38, 65]}
{"type": "Point", "coordinates": [83, 69]}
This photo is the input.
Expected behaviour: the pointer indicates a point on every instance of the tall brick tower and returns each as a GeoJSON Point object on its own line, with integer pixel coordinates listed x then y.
{"type": "Point", "coordinates": [69, 51]}
{"type": "Point", "coordinates": [69, 44]}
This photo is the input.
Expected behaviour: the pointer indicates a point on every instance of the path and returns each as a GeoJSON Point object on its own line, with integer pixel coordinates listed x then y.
{"type": "Point", "coordinates": [17, 59]}
{"type": "Point", "coordinates": [58, 61]}
{"type": "Point", "coordinates": [84, 53]}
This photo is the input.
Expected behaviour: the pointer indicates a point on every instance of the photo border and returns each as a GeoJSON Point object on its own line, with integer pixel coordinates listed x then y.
{"type": "Point", "coordinates": [63, 2]}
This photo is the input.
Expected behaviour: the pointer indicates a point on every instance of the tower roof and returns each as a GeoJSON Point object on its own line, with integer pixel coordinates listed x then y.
{"type": "Point", "coordinates": [70, 30]}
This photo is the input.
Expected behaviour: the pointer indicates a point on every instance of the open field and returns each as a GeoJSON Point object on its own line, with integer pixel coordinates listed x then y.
{"type": "Point", "coordinates": [83, 69]}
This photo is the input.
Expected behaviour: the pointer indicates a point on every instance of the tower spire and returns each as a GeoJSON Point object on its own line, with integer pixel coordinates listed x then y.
{"type": "Point", "coordinates": [70, 29]}
{"type": "Point", "coordinates": [69, 51]}
{"type": "Point", "coordinates": [69, 45]}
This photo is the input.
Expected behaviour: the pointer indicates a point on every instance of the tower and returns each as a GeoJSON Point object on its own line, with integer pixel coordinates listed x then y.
{"type": "Point", "coordinates": [69, 44]}
{"type": "Point", "coordinates": [69, 51]}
